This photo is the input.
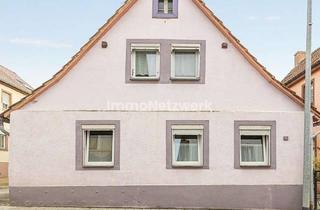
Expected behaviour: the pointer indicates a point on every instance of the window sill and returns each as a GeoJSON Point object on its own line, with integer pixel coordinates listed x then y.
{"type": "Point", "coordinates": [164, 16]}
{"type": "Point", "coordinates": [184, 79]}
{"type": "Point", "coordinates": [188, 167]}
{"type": "Point", "coordinates": [100, 168]}
{"type": "Point", "coordinates": [144, 79]}
{"type": "Point", "coordinates": [255, 167]}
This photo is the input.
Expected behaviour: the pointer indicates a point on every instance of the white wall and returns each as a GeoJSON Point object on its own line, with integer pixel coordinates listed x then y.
{"type": "Point", "coordinates": [47, 147]}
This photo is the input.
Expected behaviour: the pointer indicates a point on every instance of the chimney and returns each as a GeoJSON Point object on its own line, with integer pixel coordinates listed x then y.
{"type": "Point", "coordinates": [299, 57]}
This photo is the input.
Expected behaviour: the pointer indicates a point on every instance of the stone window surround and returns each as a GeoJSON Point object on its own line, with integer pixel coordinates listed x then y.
{"type": "Point", "coordinates": [273, 143]}
{"type": "Point", "coordinates": [156, 14]}
{"type": "Point", "coordinates": [165, 61]}
{"type": "Point", "coordinates": [79, 144]}
{"type": "Point", "coordinates": [205, 124]}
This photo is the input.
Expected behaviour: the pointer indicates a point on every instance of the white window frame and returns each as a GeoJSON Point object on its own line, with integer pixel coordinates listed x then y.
{"type": "Point", "coordinates": [187, 130]}
{"type": "Point", "coordinates": [190, 48]}
{"type": "Point", "coordinates": [134, 48]}
{"type": "Point", "coordinates": [86, 138]}
{"type": "Point", "coordinates": [3, 140]}
{"type": "Point", "coordinates": [264, 131]}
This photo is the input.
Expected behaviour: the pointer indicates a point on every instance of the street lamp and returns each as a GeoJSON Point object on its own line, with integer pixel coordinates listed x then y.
{"type": "Point", "coordinates": [307, 163]}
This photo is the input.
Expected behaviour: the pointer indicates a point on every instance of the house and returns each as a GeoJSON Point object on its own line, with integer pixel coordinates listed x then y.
{"type": "Point", "coordinates": [296, 82]}
{"type": "Point", "coordinates": [162, 107]}
{"type": "Point", "coordinates": [13, 89]}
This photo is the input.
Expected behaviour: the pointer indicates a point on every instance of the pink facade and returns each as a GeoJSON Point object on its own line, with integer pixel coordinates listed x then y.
{"type": "Point", "coordinates": [43, 132]}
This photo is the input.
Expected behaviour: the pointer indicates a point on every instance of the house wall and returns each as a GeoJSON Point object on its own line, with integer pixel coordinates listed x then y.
{"type": "Point", "coordinates": [53, 179]}
{"type": "Point", "coordinates": [233, 90]}
{"type": "Point", "coordinates": [15, 95]}
{"type": "Point", "coordinates": [4, 154]}
{"type": "Point", "coordinates": [297, 87]}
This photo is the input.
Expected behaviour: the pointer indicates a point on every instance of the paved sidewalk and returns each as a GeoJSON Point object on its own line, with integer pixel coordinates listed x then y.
{"type": "Point", "coordinates": [59, 208]}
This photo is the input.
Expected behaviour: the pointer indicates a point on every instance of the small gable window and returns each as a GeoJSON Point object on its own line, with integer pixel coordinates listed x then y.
{"type": "Point", "coordinates": [165, 8]}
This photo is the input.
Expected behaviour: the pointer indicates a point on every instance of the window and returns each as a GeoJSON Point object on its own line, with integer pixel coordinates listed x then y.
{"type": "Point", "coordinates": [255, 144]}
{"type": "Point", "coordinates": [2, 142]}
{"type": "Point", "coordinates": [303, 89]}
{"type": "Point", "coordinates": [165, 61]}
{"type": "Point", "coordinates": [185, 62]}
{"type": "Point", "coordinates": [6, 100]}
{"type": "Point", "coordinates": [145, 61]}
{"type": "Point", "coordinates": [187, 145]}
{"type": "Point", "coordinates": [98, 145]}
{"type": "Point", "coordinates": [165, 8]}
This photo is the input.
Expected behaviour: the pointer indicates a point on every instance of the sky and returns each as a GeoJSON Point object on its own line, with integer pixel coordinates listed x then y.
{"type": "Point", "coordinates": [37, 37]}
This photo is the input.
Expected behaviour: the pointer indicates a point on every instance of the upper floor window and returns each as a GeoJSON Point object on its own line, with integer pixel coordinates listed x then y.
{"type": "Point", "coordinates": [2, 142]}
{"type": "Point", "coordinates": [303, 89]}
{"type": "Point", "coordinates": [165, 8]}
{"type": "Point", "coordinates": [145, 61]}
{"type": "Point", "coordinates": [185, 61]}
{"type": "Point", "coordinates": [5, 100]}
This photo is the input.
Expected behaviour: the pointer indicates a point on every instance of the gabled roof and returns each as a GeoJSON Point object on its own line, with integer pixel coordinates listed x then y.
{"type": "Point", "coordinates": [116, 17]}
{"type": "Point", "coordinates": [297, 72]}
{"type": "Point", "coordinates": [12, 80]}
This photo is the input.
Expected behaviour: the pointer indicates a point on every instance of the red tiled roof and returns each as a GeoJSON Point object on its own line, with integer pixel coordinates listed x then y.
{"type": "Point", "coordinates": [10, 78]}
{"type": "Point", "coordinates": [298, 72]}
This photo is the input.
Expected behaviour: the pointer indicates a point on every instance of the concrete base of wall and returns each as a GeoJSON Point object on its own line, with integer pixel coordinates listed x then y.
{"type": "Point", "coordinates": [215, 197]}
{"type": "Point", "coordinates": [3, 169]}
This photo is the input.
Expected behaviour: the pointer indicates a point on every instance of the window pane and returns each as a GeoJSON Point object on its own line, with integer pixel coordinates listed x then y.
{"type": "Point", "coordinates": [186, 147]}
{"type": "Point", "coordinates": [2, 142]}
{"type": "Point", "coordinates": [312, 92]}
{"type": "Point", "coordinates": [252, 148]}
{"type": "Point", "coordinates": [170, 6]}
{"type": "Point", "coordinates": [5, 100]}
{"type": "Point", "coordinates": [146, 63]}
{"type": "Point", "coordinates": [185, 64]}
{"type": "Point", "coordinates": [100, 146]}
{"type": "Point", "coordinates": [161, 6]}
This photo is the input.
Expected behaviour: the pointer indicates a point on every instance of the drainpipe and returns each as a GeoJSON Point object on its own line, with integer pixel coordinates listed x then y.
{"type": "Point", "coordinates": [307, 163]}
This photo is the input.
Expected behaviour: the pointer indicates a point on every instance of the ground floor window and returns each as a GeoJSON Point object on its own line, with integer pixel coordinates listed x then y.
{"type": "Point", "coordinates": [187, 145]}
{"type": "Point", "coordinates": [255, 144]}
{"type": "Point", "coordinates": [255, 141]}
{"type": "Point", "coordinates": [97, 145]}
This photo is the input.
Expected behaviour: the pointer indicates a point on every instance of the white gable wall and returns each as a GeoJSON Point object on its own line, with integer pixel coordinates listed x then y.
{"type": "Point", "coordinates": [231, 82]}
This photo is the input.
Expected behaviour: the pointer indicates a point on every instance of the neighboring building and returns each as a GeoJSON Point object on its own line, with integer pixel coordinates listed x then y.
{"type": "Point", "coordinates": [296, 82]}
{"type": "Point", "coordinates": [13, 89]}
{"type": "Point", "coordinates": [87, 138]}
